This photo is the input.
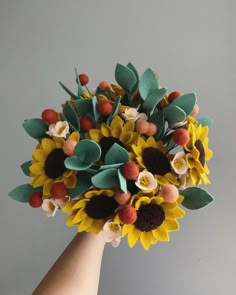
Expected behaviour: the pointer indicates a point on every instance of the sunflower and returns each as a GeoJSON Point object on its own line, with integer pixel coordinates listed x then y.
{"type": "Point", "coordinates": [47, 166]}
{"type": "Point", "coordinates": [119, 132]}
{"type": "Point", "coordinates": [155, 218]}
{"type": "Point", "coordinates": [197, 153]}
{"type": "Point", "coordinates": [154, 157]}
{"type": "Point", "coordinates": [92, 210]}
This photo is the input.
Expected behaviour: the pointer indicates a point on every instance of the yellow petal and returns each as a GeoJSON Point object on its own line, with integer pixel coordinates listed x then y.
{"type": "Point", "coordinates": [39, 155]}
{"type": "Point", "coordinates": [129, 126]}
{"type": "Point", "coordinates": [37, 168]}
{"type": "Point", "coordinates": [171, 224]}
{"type": "Point", "coordinates": [68, 207]}
{"type": "Point", "coordinates": [133, 236]}
{"type": "Point", "coordinates": [117, 121]}
{"type": "Point", "coordinates": [75, 136]}
{"type": "Point", "coordinates": [142, 201]}
{"type": "Point", "coordinates": [95, 135]}
{"type": "Point", "coordinates": [80, 204]}
{"type": "Point", "coordinates": [79, 216]}
{"type": "Point", "coordinates": [162, 180]}
{"type": "Point", "coordinates": [47, 187]}
{"type": "Point", "coordinates": [126, 228]}
{"type": "Point", "coordinates": [71, 181]}
{"type": "Point", "coordinates": [38, 180]}
{"type": "Point", "coordinates": [160, 233]}
{"type": "Point", "coordinates": [69, 220]}
{"type": "Point", "coordinates": [96, 226]}
{"type": "Point", "coordinates": [106, 130]}
{"type": "Point", "coordinates": [59, 142]}
{"type": "Point", "coordinates": [145, 239]}
{"type": "Point", "coordinates": [47, 145]}
{"type": "Point", "coordinates": [85, 224]}
{"type": "Point", "coordinates": [175, 213]}
{"type": "Point", "coordinates": [116, 131]}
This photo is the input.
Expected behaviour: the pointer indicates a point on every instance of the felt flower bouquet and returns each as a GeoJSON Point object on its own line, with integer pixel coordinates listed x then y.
{"type": "Point", "coordinates": [124, 158]}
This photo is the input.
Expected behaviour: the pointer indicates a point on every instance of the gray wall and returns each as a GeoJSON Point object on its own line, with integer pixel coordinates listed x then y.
{"type": "Point", "coordinates": [190, 43]}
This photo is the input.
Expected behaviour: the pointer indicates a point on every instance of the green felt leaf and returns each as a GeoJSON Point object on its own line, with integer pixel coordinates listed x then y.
{"type": "Point", "coordinates": [168, 140]}
{"type": "Point", "coordinates": [71, 116]}
{"type": "Point", "coordinates": [83, 184]}
{"type": "Point", "coordinates": [205, 121]}
{"type": "Point", "coordinates": [83, 106]}
{"type": "Point", "coordinates": [96, 115]}
{"type": "Point", "coordinates": [115, 109]}
{"type": "Point", "coordinates": [116, 154]}
{"type": "Point", "coordinates": [106, 178]}
{"type": "Point", "coordinates": [153, 99]}
{"type": "Point", "coordinates": [174, 114]}
{"type": "Point", "coordinates": [68, 91]}
{"type": "Point", "coordinates": [186, 102]}
{"type": "Point", "coordinates": [74, 163]}
{"type": "Point", "coordinates": [36, 128]}
{"type": "Point", "coordinates": [102, 167]}
{"type": "Point", "coordinates": [23, 192]}
{"type": "Point", "coordinates": [148, 83]}
{"type": "Point", "coordinates": [80, 89]}
{"type": "Point", "coordinates": [125, 78]}
{"type": "Point", "coordinates": [196, 198]}
{"type": "Point", "coordinates": [25, 167]}
{"type": "Point", "coordinates": [133, 69]}
{"type": "Point", "coordinates": [159, 120]}
{"type": "Point", "coordinates": [122, 182]}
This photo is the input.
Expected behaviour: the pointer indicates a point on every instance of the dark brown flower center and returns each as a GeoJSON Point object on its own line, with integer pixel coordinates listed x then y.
{"type": "Point", "coordinates": [106, 143]}
{"type": "Point", "coordinates": [155, 161]}
{"type": "Point", "coordinates": [101, 207]}
{"type": "Point", "coordinates": [54, 164]}
{"type": "Point", "coordinates": [199, 146]}
{"type": "Point", "coordinates": [150, 216]}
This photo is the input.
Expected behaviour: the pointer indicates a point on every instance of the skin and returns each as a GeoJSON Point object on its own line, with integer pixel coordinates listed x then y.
{"type": "Point", "coordinates": [77, 270]}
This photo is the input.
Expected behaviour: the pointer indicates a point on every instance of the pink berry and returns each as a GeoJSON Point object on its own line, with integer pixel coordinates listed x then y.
{"type": "Point", "coordinates": [35, 200]}
{"type": "Point", "coordinates": [122, 198]}
{"type": "Point", "coordinates": [130, 170]}
{"type": "Point", "coordinates": [84, 79]}
{"type": "Point", "coordinates": [181, 137]}
{"type": "Point", "coordinates": [170, 193]}
{"type": "Point", "coordinates": [128, 214]}
{"type": "Point", "coordinates": [173, 95]}
{"type": "Point", "coordinates": [151, 130]}
{"type": "Point", "coordinates": [142, 126]}
{"type": "Point", "coordinates": [69, 147]}
{"type": "Point", "coordinates": [104, 86]}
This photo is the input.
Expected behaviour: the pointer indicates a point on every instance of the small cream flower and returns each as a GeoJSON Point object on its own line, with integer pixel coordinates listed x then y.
{"type": "Point", "coordinates": [62, 202]}
{"type": "Point", "coordinates": [185, 181]}
{"type": "Point", "coordinates": [179, 164]}
{"type": "Point", "coordinates": [50, 207]}
{"type": "Point", "coordinates": [131, 114]}
{"type": "Point", "coordinates": [60, 129]}
{"type": "Point", "coordinates": [112, 233]}
{"type": "Point", "coordinates": [146, 181]}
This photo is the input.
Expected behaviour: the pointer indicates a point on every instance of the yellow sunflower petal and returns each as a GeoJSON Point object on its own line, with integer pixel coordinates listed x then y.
{"type": "Point", "coordinates": [117, 121]}
{"type": "Point", "coordinates": [71, 181]}
{"type": "Point", "coordinates": [171, 224]}
{"type": "Point", "coordinates": [145, 239]}
{"type": "Point", "coordinates": [79, 216]}
{"type": "Point", "coordinates": [39, 155]}
{"type": "Point", "coordinates": [162, 180]}
{"type": "Point", "coordinates": [142, 201]}
{"type": "Point", "coordinates": [95, 135]}
{"type": "Point", "coordinates": [129, 126]}
{"type": "Point", "coordinates": [47, 186]}
{"type": "Point", "coordinates": [96, 226]}
{"type": "Point", "coordinates": [47, 145]}
{"type": "Point", "coordinates": [37, 168]}
{"type": "Point", "coordinates": [68, 207]}
{"type": "Point", "coordinates": [69, 220]}
{"type": "Point", "coordinates": [106, 130]}
{"type": "Point", "coordinates": [133, 236]}
{"type": "Point", "coordinates": [39, 180]}
{"type": "Point", "coordinates": [172, 178]}
{"type": "Point", "coordinates": [161, 234]}
{"type": "Point", "coordinates": [116, 131]}
{"type": "Point", "coordinates": [126, 228]}
{"type": "Point", "coordinates": [80, 204]}
{"type": "Point", "coordinates": [59, 142]}
{"type": "Point", "coordinates": [75, 136]}
{"type": "Point", "coordinates": [85, 224]}
{"type": "Point", "coordinates": [175, 213]}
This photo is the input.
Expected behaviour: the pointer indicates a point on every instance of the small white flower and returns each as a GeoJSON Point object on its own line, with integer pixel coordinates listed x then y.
{"type": "Point", "coordinates": [50, 207]}
{"type": "Point", "coordinates": [179, 164]}
{"type": "Point", "coordinates": [62, 202]}
{"type": "Point", "coordinates": [185, 181]}
{"type": "Point", "coordinates": [60, 129]}
{"type": "Point", "coordinates": [178, 125]}
{"type": "Point", "coordinates": [131, 114]}
{"type": "Point", "coordinates": [112, 233]}
{"type": "Point", "coordinates": [146, 181]}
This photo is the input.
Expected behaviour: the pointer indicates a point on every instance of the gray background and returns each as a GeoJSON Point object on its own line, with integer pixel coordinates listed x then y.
{"type": "Point", "coordinates": [190, 43]}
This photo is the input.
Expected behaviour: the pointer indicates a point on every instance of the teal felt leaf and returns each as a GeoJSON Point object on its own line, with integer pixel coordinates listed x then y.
{"type": "Point", "coordinates": [102, 167]}
{"type": "Point", "coordinates": [159, 120]}
{"type": "Point", "coordinates": [36, 128]}
{"type": "Point", "coordinates": [73, 163]}
{"type": "Point", "coordinates": [116, 154]}
{"type": "Point", "coordinates": [71, 116]}
{"type": "Point", "coordinates": [25, 167]}
{"type": "Point", "coordinates": [133, 69]}
{"type": "Point", "coordinates": [68, 91]}
{"type": "Point", "coordinates": [186, 102]}
{"type": "Point", "coordinates": [153, 99]}
{"type": "Point", "coordinates": [196, 198]}
{"type": "Point", "coordinates": [106, 178]}
{"type": "Point", "coordinates": [83, 184]}
{"type": "Point", "coordinates": [148, 83]}
{"type": "Point", "coordinates": [63, 118]}
{"type": "Point", "coordinates": [205, 121]}
{"type": "Point", "coordinates": [174, 114]}
{"type": "Point", "coordinates": [96, 115]}
{"type": "Point", "coordinates": [168, 140]}
{"type": "Point", "coordinates": [23, 192]}
{"type": "Point", "coordinates": [125, 78]}
{"type": "Point", "coordinates": [83, 106]}
{"type": "Point", "coordinates": [80, 89]}
{"type": "Point", "coordinates": [115, 109]}
{"type": "Point", "coordinates": [122, 182]}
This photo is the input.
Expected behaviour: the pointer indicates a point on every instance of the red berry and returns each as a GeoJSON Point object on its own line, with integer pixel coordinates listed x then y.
{"type": "Point", "coordinates": [84, 79]}
{"type": "Point", "coordinates": [127, 214]}
{"type": "Point", "coordinates": [58, 190]}
{"type": "Point", "coordinates": [181, 137]}
{"type": "Point", "coordinates": [35, 200]}
{"type": "Point", "coordinates": [49, 116]}
{"type": "Point", "coordinates": [122, 198]}
{"type": "Point", "coordinates": [130, 170]}
{"type": "Point", "coordinates": [86, 123]}
{"type": "Point", "coordinates": [173, 95]}
{"type": "Point", "coordinates": [104, 86]}
{"type": "Point", "coordinates": [104, 107]}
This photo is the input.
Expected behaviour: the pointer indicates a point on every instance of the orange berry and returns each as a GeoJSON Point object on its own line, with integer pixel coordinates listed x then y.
{"type": "Point", "coordinates": [69, 147]}
{"type": "Point", "coordinates": [49, 116]}
{"type": "Point", "coordinates": [35, 200]}
{"type": "Point", "coordinates": [170, 193]}
{"type": "Point", "coordinates": [173, 95]}
{"type": "Point", "coordinates": [104, 107]}
{"type": "Point", "coordinates": [127, 214]}
{"type": "Point", "coordinates": [104, 86]}
{"type": "Point", "coordinates": [152, 129]}
{"type": "Point", "coordinates": [84, 79]}
{"type": "Point", "coordinates": [86, 123]}
{"type": "Point", "coordinates": [130, 170]}
{"type": "Point", "coordinates": [122, 198]}
{"type": "Point", "coordinates": [142, 126]}
{"type": "Point", "coordinates": [58, 190]}
{"type": "Point", "coordinates": [181, 136]}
